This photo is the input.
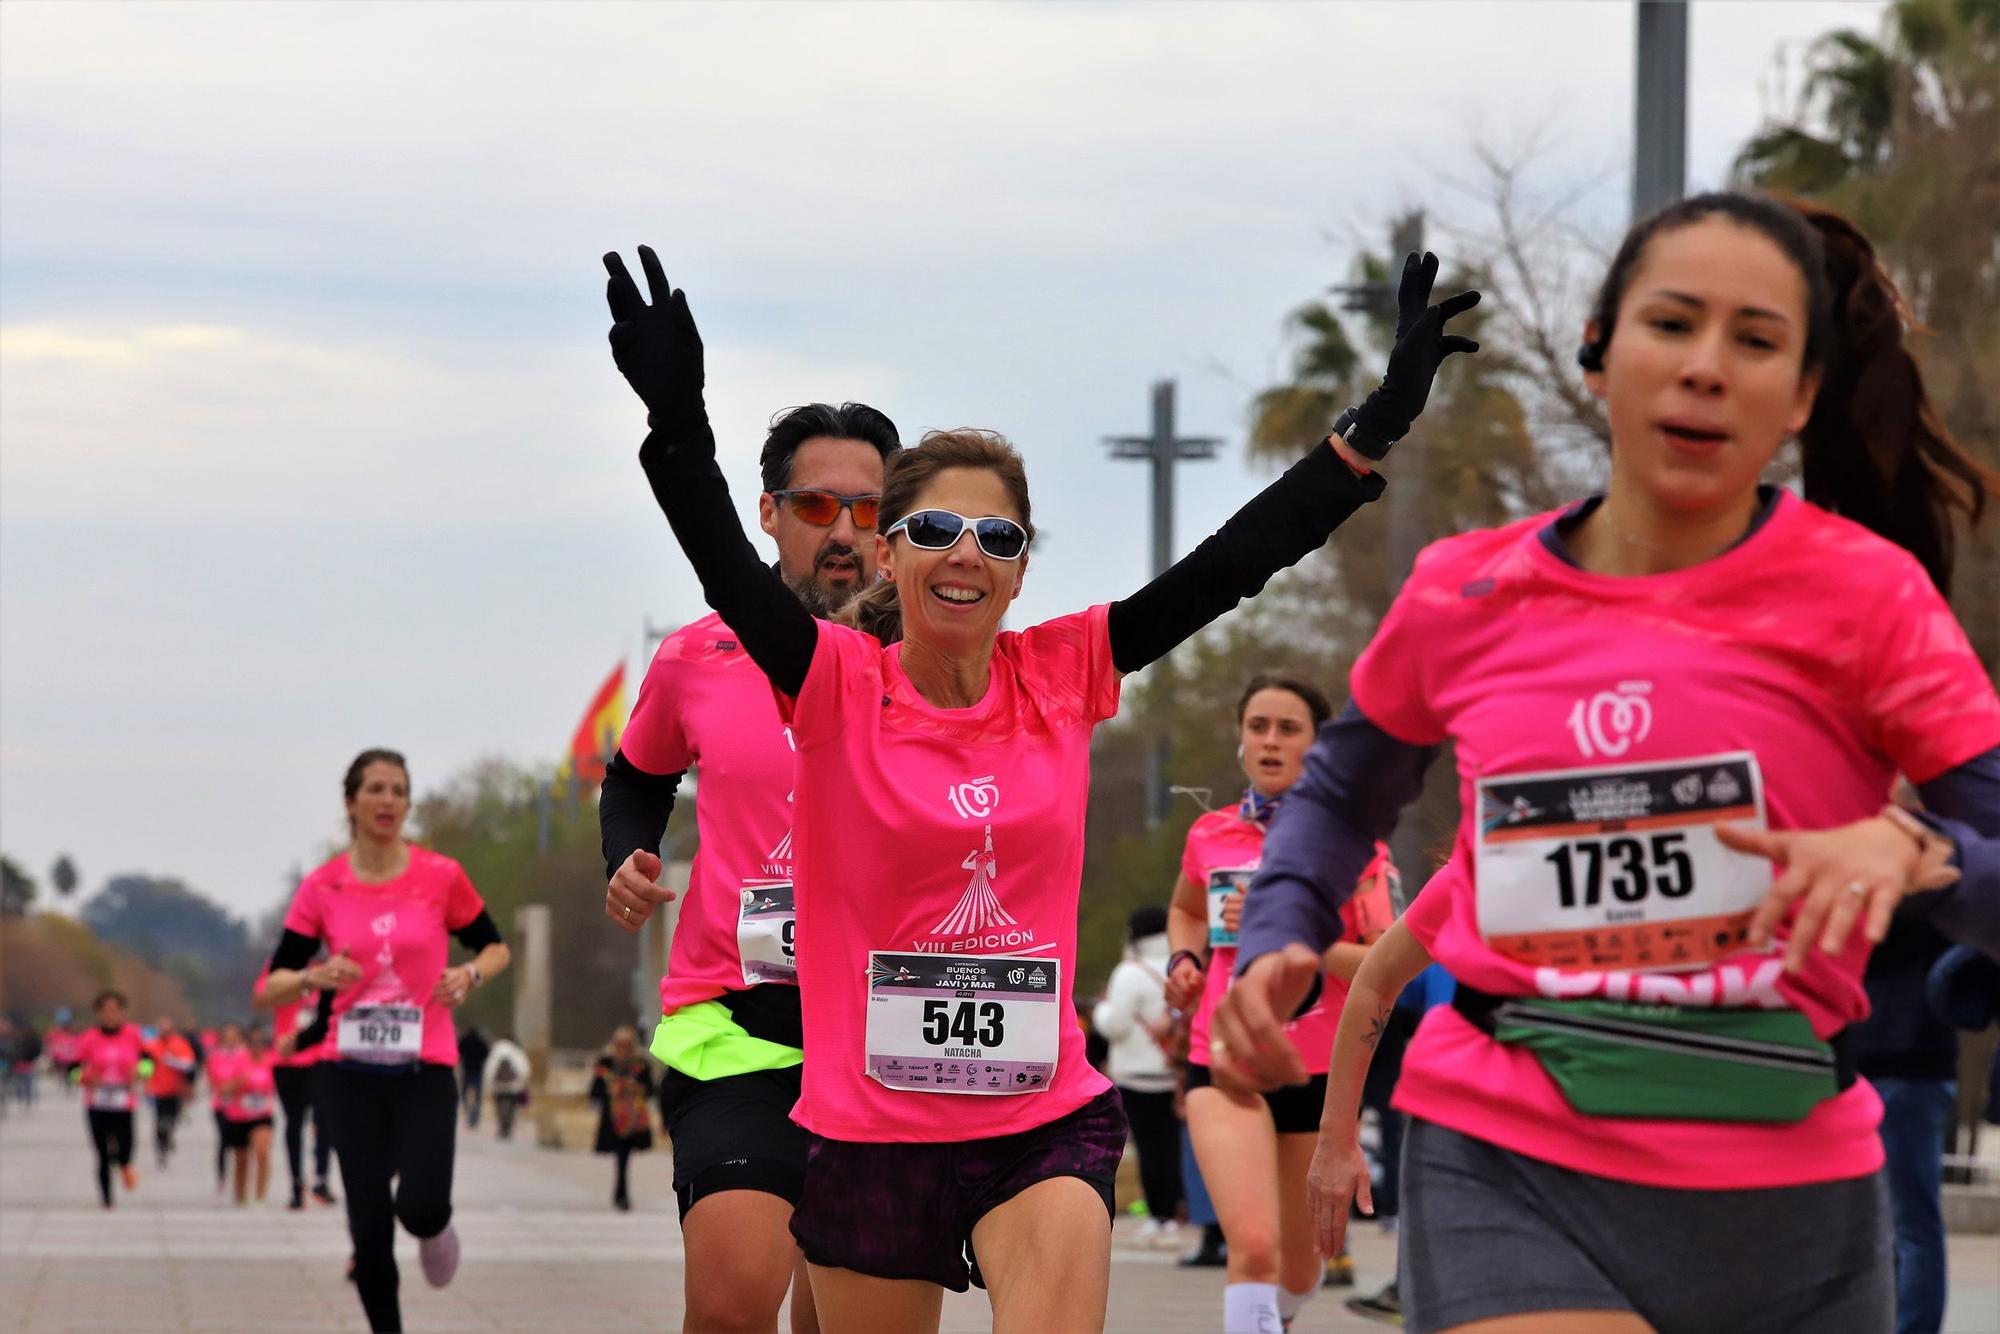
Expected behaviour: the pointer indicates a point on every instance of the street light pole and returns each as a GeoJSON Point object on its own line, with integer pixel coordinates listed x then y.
{"type": "Point", "coordinates": [1659, 111]}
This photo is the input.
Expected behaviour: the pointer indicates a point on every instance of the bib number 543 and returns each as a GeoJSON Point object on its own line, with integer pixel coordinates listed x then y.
{"type": "Point", "coordinates": [965, 1023]}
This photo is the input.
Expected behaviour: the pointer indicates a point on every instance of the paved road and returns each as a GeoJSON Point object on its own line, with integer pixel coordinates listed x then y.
{"type": "Point", "coordinates": [543, 1250]}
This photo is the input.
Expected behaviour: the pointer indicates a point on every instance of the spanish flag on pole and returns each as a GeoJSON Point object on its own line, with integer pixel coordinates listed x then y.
{"type": "Point", "coordinates": [596, 738]}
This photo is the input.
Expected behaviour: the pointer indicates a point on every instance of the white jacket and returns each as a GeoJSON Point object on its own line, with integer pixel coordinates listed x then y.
{"type": "Point", "coordinates": [1134, 1000]}
{"type": "Point", "coordinates": [513, 1053]}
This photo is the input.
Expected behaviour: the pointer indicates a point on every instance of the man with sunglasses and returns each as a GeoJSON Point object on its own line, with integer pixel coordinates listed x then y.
{"type": "Point", "coordinates": [730, 1030]}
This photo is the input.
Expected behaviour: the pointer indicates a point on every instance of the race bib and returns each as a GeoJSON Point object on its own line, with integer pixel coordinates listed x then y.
{"type": "Point", "coordinates": [963, 1023]}
{"type": "Point", "coordinates": [382, 1034]}
{"type": "Point", "coordinates": [765, 929]}
{"type": "Point", "coordinates": [108, 1097]}
{"type": "Point", "coordinates": [254, 1104]}
{"type": "Point", "coordinates": [1618, 867]}
{"type": "Point", "coordinates": [1221, 884]}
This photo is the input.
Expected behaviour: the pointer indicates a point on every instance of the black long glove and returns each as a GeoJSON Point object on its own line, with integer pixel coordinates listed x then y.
{"type": "Point", "coordinates": [1421, 347]}
{"type": "Point", "coordinates": [656, 346]}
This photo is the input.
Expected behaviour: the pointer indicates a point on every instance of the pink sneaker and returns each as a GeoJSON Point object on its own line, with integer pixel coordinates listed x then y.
{"type": "Point", "coordinates": [439, 1255]}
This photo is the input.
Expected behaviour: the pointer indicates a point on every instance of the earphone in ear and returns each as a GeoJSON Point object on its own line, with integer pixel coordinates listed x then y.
{"type": "Point", "coordinates": [1590, 356]}
{"type": "Point", "coordinates": [1239, 752]}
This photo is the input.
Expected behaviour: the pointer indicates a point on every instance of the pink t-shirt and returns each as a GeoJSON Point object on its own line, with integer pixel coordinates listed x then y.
{"type": "Point", "coordinates": [110, 1064]}
{"type": "Point", "coordinates": [1221, 842]}
{"type": "Point", "coordinates": [221, 1069]}
{"type": "Point", "coordinates": [948, 845]}
{"type": "Point", "coordinates": [1817, 649]}
{"type": "Point", "coordinates": [399, 932]}
{"type": "Point", "coordinates": [705, 704]}
{"type": "Point", "coordinates": [256, 1088]}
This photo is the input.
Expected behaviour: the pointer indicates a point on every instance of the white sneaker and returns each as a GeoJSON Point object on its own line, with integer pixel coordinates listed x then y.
{"type": "Point", "coordinates": [1147, 1234]}
{"type": "Point", "coordinates": [439, 1256]}
{"type": "Point", "coordinates": [1168, 1238]}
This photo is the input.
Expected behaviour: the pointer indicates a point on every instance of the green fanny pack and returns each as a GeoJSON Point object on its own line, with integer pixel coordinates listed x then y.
{"type": "Point", "coordinates": [1670, 1062]}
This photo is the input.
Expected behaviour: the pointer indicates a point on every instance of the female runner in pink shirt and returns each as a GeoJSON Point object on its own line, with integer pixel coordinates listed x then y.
{"type": "Point", "coordinates": [223, 1054]}
{"type": "Point", "coordinates": [248, 1101]}
{"type": "Point", "coordinates": [1640, 1112]}
{"type": "Point", "coordinates": [1253, 1151]}
{"type": "Point", "coordinates": [387, 911]}
{"type": "Point", "coordinates": [107, 1060]}
{"type": "Point", "coordinates": [938, 831]}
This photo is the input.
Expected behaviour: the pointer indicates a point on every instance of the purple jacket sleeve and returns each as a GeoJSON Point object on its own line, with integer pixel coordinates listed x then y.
{"type": "Point", "coordinates": [1964, 805]}
{"type": "Point", "coordinates": [1357, 781]}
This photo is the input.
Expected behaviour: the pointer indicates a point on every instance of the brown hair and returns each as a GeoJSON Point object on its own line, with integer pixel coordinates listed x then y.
{"type": "Point", "coordinates": [877, 609]}
{"type": "Point", "coordinates": [1875, 450]}
{"type": "Point", "coordinates": [1316, 703]}
{"type": "Point", "coordinates": [351, 784]}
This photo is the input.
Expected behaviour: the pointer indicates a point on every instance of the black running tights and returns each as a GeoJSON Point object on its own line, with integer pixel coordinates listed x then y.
{"type": "Point", "coordinates": [296, 1087]}
{"type": "Point", "coordinates": [111, 1135]}
{"type": "Point", "coordinates": [398, 1128]}
{"type": "Point", "coordinates": [166, 1118]}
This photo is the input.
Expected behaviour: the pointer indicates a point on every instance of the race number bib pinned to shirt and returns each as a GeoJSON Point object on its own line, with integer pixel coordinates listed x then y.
{"type": "Point", "coordinates": [765, 930]}
{"type": "Point", "coordinates": [963, 1023]}
{"type": "Point", "coordinates": [108, 1097]}
{"type": "Point", "coordinates": [254, 1104]}
{"type": "Point", "coordinates": [382, 1034]}
{"type": "Point", "coordinates": [1221, 884]}
{"type": "Point", "coordinates": [1619, 867]}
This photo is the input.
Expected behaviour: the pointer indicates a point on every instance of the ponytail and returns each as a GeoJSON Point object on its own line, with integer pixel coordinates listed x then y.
{"type": "Point", "coordinates": [876, 610]}
{"type": "Point", "coordinates": [1875, 448]}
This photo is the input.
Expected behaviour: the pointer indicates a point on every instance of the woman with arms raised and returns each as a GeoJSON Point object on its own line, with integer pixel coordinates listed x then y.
{"type": "Point", "coordinates": [938, 831]}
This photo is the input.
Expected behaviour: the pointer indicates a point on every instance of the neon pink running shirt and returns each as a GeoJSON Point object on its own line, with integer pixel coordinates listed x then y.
{"type": "Point", "coordinates": [221, 1068]}
{"type": "Point", "coordinates": [1224, 840]}
{"type": "Point", "coordinates": [1817, 646]}
{"type": "Point", "coordinates": [256, 1097]}
{"type": "Point", "coordinates": [922, 830]}
{"type": "Point", "coordinates": [398, 931]}
{"type": "Point", "coordinates": [110, 1064]}
{"type": "Point", "coordinates": [705, 704]}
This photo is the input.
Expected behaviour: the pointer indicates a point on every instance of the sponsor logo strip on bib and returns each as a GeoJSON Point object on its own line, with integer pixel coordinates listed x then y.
{"type": "Point", "coordinates": [963, 1023]}
{"type": "Point", "coordinates": [765, 930]}
{"type": "Point", "coordinates": [1618, 866]}
{"type": "Point", "coordinates": [1221, 884]}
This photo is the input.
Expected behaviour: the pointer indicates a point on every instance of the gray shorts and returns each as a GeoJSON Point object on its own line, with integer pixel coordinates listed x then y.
{"type": "Point", "coordinates": [1487, 1232]}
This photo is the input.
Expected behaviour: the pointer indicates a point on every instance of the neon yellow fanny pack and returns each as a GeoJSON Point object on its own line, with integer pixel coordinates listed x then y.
{"type": "Point", "coordinates": [704, 1041]}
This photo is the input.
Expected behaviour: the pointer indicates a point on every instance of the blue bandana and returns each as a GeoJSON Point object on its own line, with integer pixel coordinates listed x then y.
{"type": "Point", "coordinates": [1258, 808]}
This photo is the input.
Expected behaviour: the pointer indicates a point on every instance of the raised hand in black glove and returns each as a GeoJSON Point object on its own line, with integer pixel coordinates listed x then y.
{"type": "Point", "coordinates": [656, 346]}
{"type": "Point", "coordinates": [1421, 347]}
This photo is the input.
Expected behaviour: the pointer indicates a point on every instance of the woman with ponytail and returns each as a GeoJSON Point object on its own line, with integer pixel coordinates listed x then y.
{"type": "Point", "coordinates": [1678, 709]}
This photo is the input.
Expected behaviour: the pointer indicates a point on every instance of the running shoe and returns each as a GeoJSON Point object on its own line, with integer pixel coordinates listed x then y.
{"type": "Point", "coordinates": [439, 1255]}
{"type": "Point", "coordinates": [1212, 1253]}
{"type": "Point", "coordinates": [298, 1202]}
{"type": "Point", "coordinates": [323, 1195]}
{"type": "Point", "coordinates": [1339, 1271]}
{"type": "Point", "coordinates": [1384, 1307]}
{"type": "Point", "coordinates": [129, 1176]}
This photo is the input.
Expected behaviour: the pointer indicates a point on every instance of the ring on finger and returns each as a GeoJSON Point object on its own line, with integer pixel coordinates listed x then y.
{"type": "Point", "coordinates": [628, 912]}
{"type": "Point", "coordinates": [1857, 889]}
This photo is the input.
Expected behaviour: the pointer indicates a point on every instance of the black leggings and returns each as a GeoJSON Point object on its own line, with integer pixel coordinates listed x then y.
{"type": "Point", "coordinates": [111, 1135]}
{"type": "Point", "coordinates": [166, 1116]}
{"type": "Point", "coordinates": [221, 1146]}
{"type": "Point", "coordinates": [297, 1086]}
{"type": "Point", "coordinates": [391, 1126]}
{"type": "Point", "coordinates": [1156, 1135]}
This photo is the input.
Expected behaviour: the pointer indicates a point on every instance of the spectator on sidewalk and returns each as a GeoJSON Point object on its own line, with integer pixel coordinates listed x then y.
{"type": "Point", "coordinates": [1134, 1019]}
{"type": "Point", "coordinates": [622, 1088]}
{"type": "Point", "coordinates": [472, 1052]}
{"type": "Point", "coordinates": [506, 1074]}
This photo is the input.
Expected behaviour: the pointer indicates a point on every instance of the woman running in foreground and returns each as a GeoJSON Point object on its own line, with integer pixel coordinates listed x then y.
{"type": "Point", "coordinates": [1639, 1114]}
{"type": "Point", "coordinates": [938, 831]}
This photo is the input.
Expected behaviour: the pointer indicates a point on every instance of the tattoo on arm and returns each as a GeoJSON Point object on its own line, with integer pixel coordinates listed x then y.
{"type": "Point", "coordinates": [1376, 1026]}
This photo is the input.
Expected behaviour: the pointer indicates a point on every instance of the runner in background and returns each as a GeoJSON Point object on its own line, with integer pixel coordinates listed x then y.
{"type": "Point", "coordinates": [622, 1087]}
{"type": "Point", "coordinates": [224, 1052]}
{"type": "Point", "coordinates": [956, 1129]}
{"type": "Point", "coordinates": [730, 1032]}
{"type": "Point", "coordinates": [295, 1065]}
{"type": "Point", "coordinates": [1254, 1150]}
{"type": "Point", "coordinates": [107, 1063]}
{"type": "Point", "coordinates": [61, 1046]}
{"type": "Point", "coordinates": [472, 1052]}
{"type": "Point", "coordinates": [1678, 710]}
{"type": "Point", "coordinates": [250, 1097]}
{"type": "Point", "coordinates": [506, 1079]}
{"type": "Point", "coordinates": [170, 1084]}
{"type": "Point", "coordinates": [386, 911]}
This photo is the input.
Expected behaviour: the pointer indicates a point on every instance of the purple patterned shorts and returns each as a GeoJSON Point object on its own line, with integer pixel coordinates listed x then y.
{"type": "Point", "coordinates": [908, 1210]}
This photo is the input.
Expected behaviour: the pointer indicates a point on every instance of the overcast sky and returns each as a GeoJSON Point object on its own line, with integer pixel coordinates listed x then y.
{"type": "Point", "coordinates": [309, 437]}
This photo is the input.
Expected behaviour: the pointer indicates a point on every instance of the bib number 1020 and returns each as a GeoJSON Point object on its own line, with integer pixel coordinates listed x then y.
{"type": "Point", "coordinates": [965, 1023]}
{"type": "Point", "coordinates": [1636, 869]}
